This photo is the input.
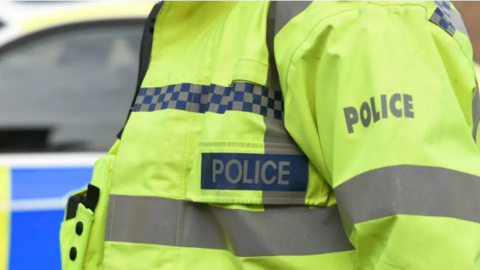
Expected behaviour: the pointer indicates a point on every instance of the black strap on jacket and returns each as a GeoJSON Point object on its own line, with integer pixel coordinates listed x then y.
{"type": "Point", "coordinates": [145, 52]}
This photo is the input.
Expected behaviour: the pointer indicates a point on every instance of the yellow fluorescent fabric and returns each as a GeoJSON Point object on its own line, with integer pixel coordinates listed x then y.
{"type": "Point", "coordinates": [90, 243]}
{"type": "Point", "coordinates": [422, 152]}
{"type": "Point", "coordinates": [80, 242]}
{"type": "Point", "coordinates": [101, 178]}
{"type": "Point", "coordinates": [158, 211]}
{"type": "Point", "coordinates": [4, 217]}
{"type": "Point", "coordinates": [161, 150]}
{"type": "Point", "coordinates": [217, 57]}
{"type": "Point", "coordinates": [417, 242]}
{"type": "Point", "coordinates": [158, 257]}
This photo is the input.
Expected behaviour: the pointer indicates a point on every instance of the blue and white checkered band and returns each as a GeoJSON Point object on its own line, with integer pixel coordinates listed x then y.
{"type": "Point", "coordinates": [442, 16]}
{"type": "Point", "coordinates": [241, 96]}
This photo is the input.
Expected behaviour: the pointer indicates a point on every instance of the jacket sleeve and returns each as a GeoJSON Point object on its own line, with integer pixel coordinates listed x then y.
{"type": "Point", "coordinates": [390, 95]}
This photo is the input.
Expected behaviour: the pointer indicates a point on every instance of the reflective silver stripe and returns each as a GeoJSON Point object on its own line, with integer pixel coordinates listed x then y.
{"type": "Point", "coordinates": [286, 231]}
{"type": "Point", "coordinates": [278, 141]}
{"type": "Point", "coordinates": [475, 111]}
{"type": "Point", "coordinates": [411, 190]}
{"type": "Point", "coordinates": [277, 138]}
{"type": "Point", "coordinates": [456, 20]}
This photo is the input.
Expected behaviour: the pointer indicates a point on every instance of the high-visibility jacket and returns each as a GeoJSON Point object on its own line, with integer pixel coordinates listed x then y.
{"type": "Point", "coordinates": [292, 135]}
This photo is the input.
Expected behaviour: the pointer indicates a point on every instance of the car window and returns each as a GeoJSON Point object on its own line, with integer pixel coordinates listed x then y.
{"type": "Point", "coordinates": [69, 90]}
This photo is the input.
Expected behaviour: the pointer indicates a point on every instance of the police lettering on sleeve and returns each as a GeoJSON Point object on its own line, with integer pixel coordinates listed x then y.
{"type": "Point", "coordinates": [367, 110]}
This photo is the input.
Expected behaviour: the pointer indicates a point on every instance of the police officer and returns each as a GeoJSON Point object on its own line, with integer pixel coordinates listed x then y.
{"type": "Point", "coordinates": [293, 135]}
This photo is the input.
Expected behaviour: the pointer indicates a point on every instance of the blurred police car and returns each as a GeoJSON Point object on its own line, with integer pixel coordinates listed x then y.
{"type": "Point", "coordinates": [67, 76]}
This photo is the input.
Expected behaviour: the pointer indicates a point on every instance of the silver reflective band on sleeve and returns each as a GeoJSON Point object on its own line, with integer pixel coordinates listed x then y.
{"type": "Point", "coordinates": [410, 190]}
{"type": "Point", "coordinates": [456, 20]}
{"type": "Point", "coordinates": [278, 141]}
{"type": "Point", "coordinates": [282, 231]}
{"type": "Point", "coordinates": [475, 111]}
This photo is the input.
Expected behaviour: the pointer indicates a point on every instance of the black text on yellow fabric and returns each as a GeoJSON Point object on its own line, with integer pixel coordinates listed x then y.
{"type": "Point", "coordinates": [399, 105]}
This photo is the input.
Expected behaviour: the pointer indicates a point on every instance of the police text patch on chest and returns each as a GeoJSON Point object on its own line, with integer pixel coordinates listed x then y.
{"type": "Point", "coordinates": [267, 172]}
